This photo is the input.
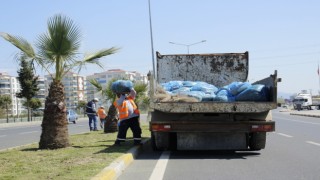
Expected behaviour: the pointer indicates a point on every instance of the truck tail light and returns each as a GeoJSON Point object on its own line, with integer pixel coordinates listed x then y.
{"type": "Point", "coordinates": [262, 128]}
{"type": "Point", "coordinates": [161, 127]}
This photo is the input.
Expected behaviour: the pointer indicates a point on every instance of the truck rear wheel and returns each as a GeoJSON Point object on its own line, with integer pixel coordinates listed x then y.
{"type": "Point", "coordinates": [257, 141]}
{"type": "Point", "coordinates": [153, 142]}
{"type": "Point", "coordinates": [161, 141]}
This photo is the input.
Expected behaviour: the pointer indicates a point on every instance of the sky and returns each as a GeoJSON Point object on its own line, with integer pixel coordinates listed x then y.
{"type": "Point", "coordinates": [282, 35]}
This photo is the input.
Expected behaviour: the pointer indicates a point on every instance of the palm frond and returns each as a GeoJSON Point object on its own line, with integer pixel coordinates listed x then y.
{"type": "Point", "coordinates": [20, 43]}
{"type": "Point", "coordinates": [63, 38]}
{"type": "Point", "coordinates": [96, 84]}
{"type": "Point", "coordinates": [60, 44]}
{"type": "Point", "coordinates": [94, 57]}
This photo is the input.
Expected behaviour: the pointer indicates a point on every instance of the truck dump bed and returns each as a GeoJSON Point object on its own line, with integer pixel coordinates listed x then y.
{"type": "Point", "coordinates": [216, 69]}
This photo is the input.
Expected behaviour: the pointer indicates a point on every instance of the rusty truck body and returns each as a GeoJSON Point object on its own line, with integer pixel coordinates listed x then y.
{"type": "Point", "coordinates": [209, 125]}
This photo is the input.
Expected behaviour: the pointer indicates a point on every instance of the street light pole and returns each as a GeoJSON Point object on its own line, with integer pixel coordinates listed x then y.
{"type": "Point", "coordinates": [151, 37]}
{"type": "Point", "coordinates": [188, 45]}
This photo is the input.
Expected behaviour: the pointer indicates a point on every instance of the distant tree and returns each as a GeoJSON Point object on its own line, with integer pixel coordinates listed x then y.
{"type": "Point", "coordinates": [142, 100]}
{"type": "Point", "coordinates": [33, 104]}
{"type": "Point", "coordinates": [5, 102]}
{"type": "Point", "coordinates": [140, 88]}
{"type": "Point", "coordinates": [28, 83]}
{"type": "Point", "coordinates": [82, 105]}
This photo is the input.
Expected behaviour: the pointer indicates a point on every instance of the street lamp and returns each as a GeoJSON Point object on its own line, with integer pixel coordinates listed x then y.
{"type": "Point", "coordinates": [188, 45]}
{"type": "Point", "coordinates": [151, 38]}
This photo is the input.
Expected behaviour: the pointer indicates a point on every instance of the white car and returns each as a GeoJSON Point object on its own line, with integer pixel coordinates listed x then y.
{"type": "Point", "coordinates": [72, 116]}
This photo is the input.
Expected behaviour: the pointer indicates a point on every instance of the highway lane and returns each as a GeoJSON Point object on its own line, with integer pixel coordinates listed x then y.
{"type": "Point", "coordinates": [17, 134]}
{"type": "Point", "coordinates": [23, 134]}
{"type": "Point", "coordinates": [292, 152]}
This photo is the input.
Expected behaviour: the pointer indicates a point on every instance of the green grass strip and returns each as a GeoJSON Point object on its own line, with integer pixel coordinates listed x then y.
{"type": "Point", "coordinates": [87, 156]}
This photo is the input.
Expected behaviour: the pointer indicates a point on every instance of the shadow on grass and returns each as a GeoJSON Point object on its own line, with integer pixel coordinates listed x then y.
{"type": "Point", "coordinates": [123, 148]}
{"type": "Point", "coordinates": [30, 149]}
{"type": "Point", "coordinates": [107, 141]}
{"type": "Point", "coordinates": [80, 147]}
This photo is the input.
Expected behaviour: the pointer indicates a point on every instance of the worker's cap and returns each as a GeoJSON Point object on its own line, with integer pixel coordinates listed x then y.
{"type": "Point", "coordinates": [96, 99]}
{"type": "Point", "coordinates": [101, 106]}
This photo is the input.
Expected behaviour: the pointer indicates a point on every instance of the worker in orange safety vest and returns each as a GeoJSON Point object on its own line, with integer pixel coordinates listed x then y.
{"type": "Point", "coordinates": [102, 116]}
{"type": "Point", "coordinates": [128, 117]}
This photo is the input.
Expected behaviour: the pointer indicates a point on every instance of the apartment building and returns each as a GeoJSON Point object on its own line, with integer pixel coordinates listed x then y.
{"type": "Point", "coordinates": [104, 77]}
{"type": "Point", "coordinates": [74, 88]}
{"type": "Point", "coordinates": [10, 85]}
{"type": "Point", "coordinates": [41, 95]}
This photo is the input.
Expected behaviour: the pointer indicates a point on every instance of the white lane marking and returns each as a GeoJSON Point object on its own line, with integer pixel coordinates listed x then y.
{"type": "Point", "coordinates": [28, 132]}
{"type": "Point", "coordinates": [299, 121]}
{"type": "Point", "coordinates": [314, 143]}
{"type": "Point", "coordinates": [2, 136]}
{"type": "Point", "coordinates": [285, 135]}
{"type": "Point", "coordinates": [159, 169]}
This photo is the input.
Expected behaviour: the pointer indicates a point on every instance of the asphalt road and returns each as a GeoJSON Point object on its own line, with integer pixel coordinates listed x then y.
{"type": "Point", "coordinates": [22, 134]}
{"type": "Point", "coordinates": [17, 134]}
{"type": "Point", "coordinates": [292, 152]}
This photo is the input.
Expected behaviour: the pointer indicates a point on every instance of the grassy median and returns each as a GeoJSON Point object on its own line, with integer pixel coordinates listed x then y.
{"type": "Point", "coordinates": [86, 157]}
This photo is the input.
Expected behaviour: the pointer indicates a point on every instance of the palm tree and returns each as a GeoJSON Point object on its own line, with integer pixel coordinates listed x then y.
{"type": "Point", "coordinates": [58, 49]}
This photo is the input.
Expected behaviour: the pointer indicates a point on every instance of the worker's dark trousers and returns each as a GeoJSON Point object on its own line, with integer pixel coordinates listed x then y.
{"type": "Point", "coordinates": [134, 125]}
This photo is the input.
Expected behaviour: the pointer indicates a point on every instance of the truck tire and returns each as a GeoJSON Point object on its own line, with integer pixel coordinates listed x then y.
{"type": "Point", "coordinates": [153, 142]}
{"type": "Point", "coordinates": [173, 141]}
{"type": "Point", "coordinates": [257, 141]}
{"type": "Point", "coordinates": [160, 141]}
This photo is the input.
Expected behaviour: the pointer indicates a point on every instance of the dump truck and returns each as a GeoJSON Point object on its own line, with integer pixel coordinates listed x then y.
{"type": "Point", "coordinates": [209, 125]}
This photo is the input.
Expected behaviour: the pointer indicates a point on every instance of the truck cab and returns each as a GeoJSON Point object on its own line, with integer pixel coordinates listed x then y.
{"type": "Point", "coordinates": [302, 101]}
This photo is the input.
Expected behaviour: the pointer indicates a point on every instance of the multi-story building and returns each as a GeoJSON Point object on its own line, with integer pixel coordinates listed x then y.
{"type": "Point", "coordinates": [10, 86]}
{"type": "Point", "coordinates": [41, 95]}
{"type": "Point", "coordinates": [74, 88]}
{"type": "Point", "coordinates": [104, 78]}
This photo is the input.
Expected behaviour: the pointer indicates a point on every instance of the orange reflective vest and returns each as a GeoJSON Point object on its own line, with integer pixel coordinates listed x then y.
{"type": "Point", "coordinates": [101, 113]}
{"type": "Point", "coordinates": [123, 108]}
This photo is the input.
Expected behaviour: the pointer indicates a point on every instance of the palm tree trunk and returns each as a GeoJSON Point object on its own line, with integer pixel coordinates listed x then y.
{"type": "Point", "coordinates": [111, 124]}
{"type": "Point", "coordinates": [54, 125]}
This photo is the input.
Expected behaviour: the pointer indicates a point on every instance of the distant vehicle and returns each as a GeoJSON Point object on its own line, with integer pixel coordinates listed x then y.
{"type": "Point", "coordinates": [305, 101]}
{"type": "Point", "coordinates": [72, 116]}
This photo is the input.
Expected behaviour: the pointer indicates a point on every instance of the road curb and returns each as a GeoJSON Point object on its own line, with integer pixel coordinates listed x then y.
{"type": "Point", "coordinates": [115, 169]}
{"type": "Point", "coordinates": [308, 115]}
